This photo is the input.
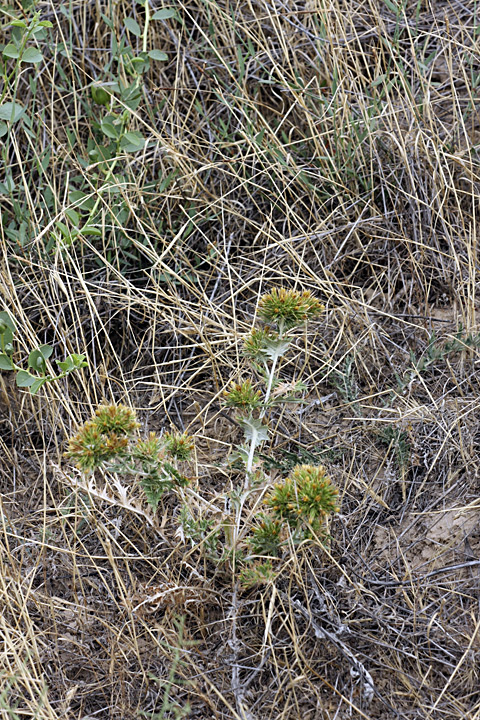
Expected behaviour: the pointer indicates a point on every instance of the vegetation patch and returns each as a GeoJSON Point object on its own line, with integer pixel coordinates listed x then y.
{"type": "Point", "coordinates": [239, 354]}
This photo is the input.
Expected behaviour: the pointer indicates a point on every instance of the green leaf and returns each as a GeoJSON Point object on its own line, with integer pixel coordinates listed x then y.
{"type": "Point", "coordinates": [108, 22]}
{"type": "Point", "coordinates": [25, 379]}
{"type": "Point", "coordinates": [3, 128]}
{"type": "Point", "coordinates": [391, 6]}
{"type": "Point", "coordinates": [254, 430]}
{"type": "Point", "coordinates": [32, 55]}
{"type": "Point", "coordinates": [132, 26]}
{"type": "Point", "coordinates": [35, 387]}
{"type": "Point", "coordinates": [73, 216]}
{"type": "Point", "coordinates": [82, 200]}
{"type": "Point", "coordinates": [11, 111]}
{"type": "Point", "coordinates": [99, 95]}
{"type": "Point", "coordinates": [45, 23]}
{"type": "Point", "coordinates": [11, 51]}
{"type": "Point", "coordinates": [5, 362]}
{"type": "Point", "coordinates": [157, 55]}
{"type": "Point", "coordinates": [18, 23]}
{"type": "Point", "coordinates": [164, 14]}
{"type": "Point", "coordinates": [110, 130]}
{"type": "Point", "coordinates": [6, 322]}
{"type": "Point", "coordinates": [132, 141]}
{"type": "Point", "coordinates": [36, 359]}
{"type": "Point", "coordinates": [73, 362]}
{"type": "Point", "coordinates": [64, 229]}
{"type": "Point", "coordinates": [91, 230]}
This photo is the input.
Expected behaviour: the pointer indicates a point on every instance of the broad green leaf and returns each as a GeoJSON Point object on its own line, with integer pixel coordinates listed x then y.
{"type": "Point", "coordinates": [157, 55]}
{"type": "Point", "coordinates": [66, 366]}
{"type": "Point", "coordinates": [3, 128]}
{"type": "Point", "coordinates": [73, 216]}
{"type": "Point", "coordinates": [91, 230]}
{"type": "Point", "coordinates": [132, 26]}
{"type": "Point", "coordinates": [32, 55]}
{"type": "Point", "coordinates": [73, 362]}
{"type": "Point", "coordinates": [35, 387]}
{"type": "Point", "coordinates": [5, 362]}
{"type": "Point", "coordinates": [132, 141]}
{"type": "Point", "coordinates": [6, 322]}
{"type": "Point", "coordinates": [11, 111]}
{"type": "Point", "coordinates": [11, 51]}
{"type": "Point", "coordinates": [64, 229]}
{"type": "Point", "coordinates": [25, 379]}
{"type": "Point", "coordinates": [82, 200]}
{"type": "Point", "coordinates": [45, 350]}
{"type": "Point", "coordinates": [164, 14]}
{"type": "Point", "coordinates": [36, 359]}
{"type": "Point", "coordinates": [110, 130]}
{"type": "Point", "coordinates": [18, 23]}
{"type": "Point", "coordinates": [99, 95]}
{"type": "Point", "coordinates": [45, 23]}
{"type": "Point", "coordinates": [79, 361]}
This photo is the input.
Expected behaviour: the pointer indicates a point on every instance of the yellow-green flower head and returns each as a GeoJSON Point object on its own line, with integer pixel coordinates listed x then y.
{"type": "Point", "coordinates": [150, 450]}
{"type": "Point", "coordinates": [255, 343]}
{"type": "Point", "coordinates": [307, 495]}
{"type": "Point", "coordinates": [317, 497]}
{"type": "Point", "coordinates": [115, 418]}
{"type": "Point", "coordinates": [103, 437]}
{"type": "Point", "coordinates": [90, 447]}
{"type": "Point", "coordinates": [243, 396]}
{"type": "Point", "coordinates": [179, 446]}
{"type": "Point", "coordinates": [289, 307]}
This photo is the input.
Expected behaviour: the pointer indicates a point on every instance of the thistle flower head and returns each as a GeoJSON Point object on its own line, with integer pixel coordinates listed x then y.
{"type": "Point", "coordinates": [265, 539]}
{"type": "Point", "coordinates": [289, 308]}
{"type": "Point", "coordinates": [179, 446]}
{"type": "Point", "coordinates": [90, 447]}
{"type": "Point", "coordinates": [242, 395]}
{"type": "Point", "coordinates": [115, 418]}
{"type": "Point", "coordinates": [260, 573]}
{"type": "Point", "coordinates": [103, 437]}
{"type": "Point", "coordinates": [308, 495]}
{"type": "Point", "coordinates": [317, 497]}
{"type": "Point", "coordinates": [149, 450]}
{"type": "Point", "coordinates": [255, 343]}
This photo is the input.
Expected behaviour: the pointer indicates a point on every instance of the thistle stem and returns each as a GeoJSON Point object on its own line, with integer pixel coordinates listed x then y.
{"type": "Point", "coordinates": [250, 460]}
{"type": "Point", "coordinates": [269, 387]}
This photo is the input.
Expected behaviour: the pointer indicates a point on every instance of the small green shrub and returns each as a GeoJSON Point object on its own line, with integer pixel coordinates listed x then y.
{"type": "Point", "coordinates": [37, 373]}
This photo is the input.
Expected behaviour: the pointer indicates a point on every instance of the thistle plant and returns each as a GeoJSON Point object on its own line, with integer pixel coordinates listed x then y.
{"type": "Point", "coordinates": [37, 374]}
{"type": "Point", "coordinates": [111, 440]}
{"type": "Point", "coordinates": [300, 504]}
{"type": "Point", "coordinates": [281, 310]}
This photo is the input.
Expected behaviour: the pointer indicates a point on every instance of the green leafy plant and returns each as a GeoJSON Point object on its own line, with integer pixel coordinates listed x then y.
{"type": "Point", "coordinates": [294, 509]}
{"type": "Point", "coordinates": [115, 98]}
{"type": "Point", "coordinates": [37, 373]}
{"type": "Point", "coordinates": [24, 31]}
{"type": "Point", "coordinates": [110, 440]}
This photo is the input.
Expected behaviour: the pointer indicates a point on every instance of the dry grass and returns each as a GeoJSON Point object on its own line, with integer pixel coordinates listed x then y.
{"type": "Point", "coordinates": [323, 146]}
